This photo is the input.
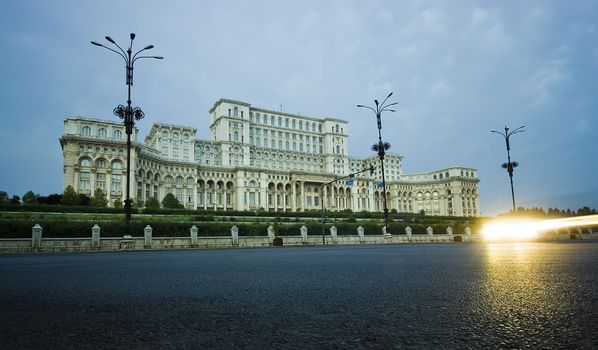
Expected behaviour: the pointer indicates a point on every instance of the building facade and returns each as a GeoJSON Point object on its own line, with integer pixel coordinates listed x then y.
{"type": "Point", "coordinates": [256, 159]}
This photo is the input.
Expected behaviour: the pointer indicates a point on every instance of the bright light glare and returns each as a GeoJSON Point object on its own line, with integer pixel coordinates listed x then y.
{"type": "Point", "coordinates": [511, 230]}
{"type": "Point", "coordinates": [517, 230]}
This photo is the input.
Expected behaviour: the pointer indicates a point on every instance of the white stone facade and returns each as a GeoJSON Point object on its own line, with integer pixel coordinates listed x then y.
{"type": "Point", "coordinates": [257, 159]}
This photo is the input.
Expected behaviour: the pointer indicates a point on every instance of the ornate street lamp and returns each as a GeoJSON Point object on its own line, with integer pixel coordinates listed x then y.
{"type": "Point", "coordinates": [510, 165]}
{"type": "Point", "coordinates": [382, 147]}
{"type": "Point", "coordinates": [128, 113]}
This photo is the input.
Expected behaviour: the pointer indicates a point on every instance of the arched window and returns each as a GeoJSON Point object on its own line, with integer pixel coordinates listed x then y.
{"type": "Point", "coordinates": [175, 135]}
{"type": "Point", "coordinates": [117, 135]}
{"type": "Point", "coordinates": [272, 120]}
{"type": "Point", "coordinates": [116, 165]}
{"type": "Point", "coordinates": [294, 124]}
{"type": "Point", "coordinates": [446, 174]}
{"type": "Point", "coordinates": [236, 136]}
{"type": "Point", "coordinates": [319, 127]}
{"type": "Point", "coordinates": [286, 122]}
{"type": "Point", "coordinates": [279, 121]}
{"type": "Point", "coordinates": [102, 133]}
{"type": "Point", "coordinates": [300, 125]}
{"type": "Point", "coordinates": [235, 112]}
{"type": "Point", "coordinates": [86, 131]}
{"type": "Point", "coordinates": [85, 163]}
{"type": "Point", "coordinates": [338, 149]}
{"type": "Point", "coordinates": [313, 127]}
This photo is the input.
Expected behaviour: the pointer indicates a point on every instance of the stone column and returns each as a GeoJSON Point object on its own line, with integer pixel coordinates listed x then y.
{"type": "Point", "coordinates": [234, 231]}
{"type": "Point", "coordinates": [193, 232]}
{"type": "Point", "coordinates": [333, 234]}
{"type": "Point", "coordinates": [147, 235]}
{"type": "Point", "coordinates": [293, 197]}
{"type": "Point", "coordinates": [303, 196]}
{"type": "Point", "coordinates": [361, 235]}
{"type": "Point", "coordinates": [36, 236]}
{"type": "Point", "coordinates": [304, 234]}
{"type": "Point", "coordinates": [95, 236]}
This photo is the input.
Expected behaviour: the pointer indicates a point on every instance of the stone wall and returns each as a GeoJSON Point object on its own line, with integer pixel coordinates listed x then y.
{"type": "Point", "coordinates": [94, 242]}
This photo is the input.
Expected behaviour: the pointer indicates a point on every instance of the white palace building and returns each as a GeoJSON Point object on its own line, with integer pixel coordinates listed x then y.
{"type": "Point", "coordinates": [257, 159]}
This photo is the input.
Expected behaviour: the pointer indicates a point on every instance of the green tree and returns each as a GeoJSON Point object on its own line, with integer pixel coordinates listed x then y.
{"type": "Point", "coordinates": [3, 197]}
{"type": "Point", "coordinates": [15, 200]}
{"type": "Point", "coordinates": [70, 197]}
{"type": "Point", "coordinates": [99, 198]}
{"type": "Point", "coordinates": [171, 202]}
{"type": "Point", "coordinates": [152, 203]}
{"type": "Point", "coordinates": [30, 198]}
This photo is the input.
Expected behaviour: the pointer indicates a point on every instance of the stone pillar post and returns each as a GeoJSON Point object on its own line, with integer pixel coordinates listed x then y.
{"type": "Point", "coordinates": [304, 234]}
{"type": "Point", "coordinates": [430, 231]}
{"type": "Point", "coordinates": [193, 232]}
{"type": "Point", "coordinates": [449, 231]}
{"type": "Point", "coordinates": [333, 234]}
{"type": "Point", "coordinates": [95, 236]}
{"type": "Point", "coordinates": [234, 231]}
{"type": "Point", "coordinates": [36, 236]}
{"type": "Point", "coordinates": [468, 231]}
{"type": "Point", "coordinates": [270, 234]}
{"type": "Point", "coordinates": [147, 235]}
{"type": "Point", "coordinates": [408, 231]}
{"type": "Point", "coordinates": [361, 234]}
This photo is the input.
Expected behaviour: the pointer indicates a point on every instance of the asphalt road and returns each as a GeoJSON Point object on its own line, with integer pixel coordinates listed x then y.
{"type": "Point", "coordinates": [535, 295]}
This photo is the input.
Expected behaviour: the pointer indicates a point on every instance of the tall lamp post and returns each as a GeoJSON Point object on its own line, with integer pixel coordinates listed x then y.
{"type": "Point", "coordinates": [510, 165]}
{"type": "Point", "coordinates": [382, 147]}
{"type": "Point", "coordinates": [128, 113]}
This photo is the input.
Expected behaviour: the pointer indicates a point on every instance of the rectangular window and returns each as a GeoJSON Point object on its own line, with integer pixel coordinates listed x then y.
{"type": "Point", "coordinates": [84, 181]}
{"type": "Point", "coordinates": [101, 181]}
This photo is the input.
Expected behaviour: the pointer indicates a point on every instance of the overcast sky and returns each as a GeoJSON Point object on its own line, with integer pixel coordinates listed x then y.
{"type": "Point", "coordinates": [457, 68]}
